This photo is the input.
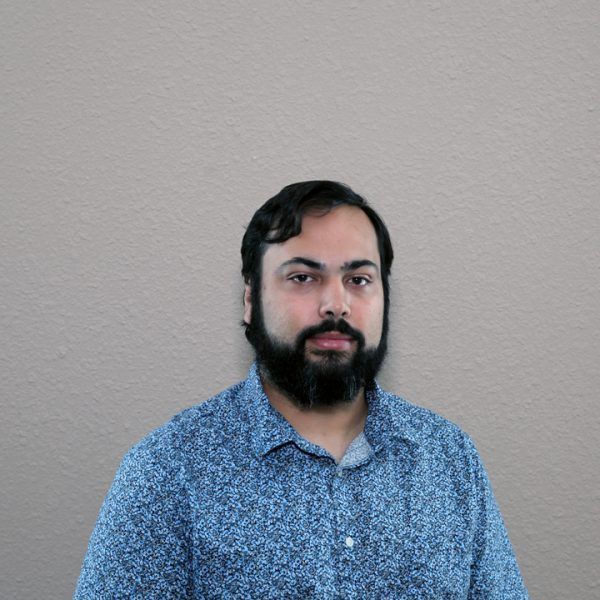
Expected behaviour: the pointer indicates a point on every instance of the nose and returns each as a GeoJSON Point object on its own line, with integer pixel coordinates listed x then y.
{"type": "Point", "coordinates": [334, 301]}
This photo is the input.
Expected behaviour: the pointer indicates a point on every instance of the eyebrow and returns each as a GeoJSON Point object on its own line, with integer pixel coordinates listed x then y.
{"type": "Point", "coordinates": [357, 264]}
{"type": "Point", "coordinates": [319, 266]}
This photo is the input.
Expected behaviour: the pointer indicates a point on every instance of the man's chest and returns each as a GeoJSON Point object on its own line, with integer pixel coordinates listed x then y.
{"type": "Point", "coordinates": [309, 530]}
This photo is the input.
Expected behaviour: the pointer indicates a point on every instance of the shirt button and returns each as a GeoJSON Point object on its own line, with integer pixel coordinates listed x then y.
{"type": "Point", "coordinates": [340, 473]}
{"type": "Point", "coordinates": [349, 542]}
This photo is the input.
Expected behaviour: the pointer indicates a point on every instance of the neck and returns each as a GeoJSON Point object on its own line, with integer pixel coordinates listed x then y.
{"type": "Point", "coordinates": [331, 427]}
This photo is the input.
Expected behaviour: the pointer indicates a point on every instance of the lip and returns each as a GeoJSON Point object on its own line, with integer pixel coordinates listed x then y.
{"type": "Point", "coordinates": [332, 340]}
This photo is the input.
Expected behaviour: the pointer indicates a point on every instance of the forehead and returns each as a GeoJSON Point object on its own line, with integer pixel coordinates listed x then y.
{"type": "Point", "coordinates": [343, 234]}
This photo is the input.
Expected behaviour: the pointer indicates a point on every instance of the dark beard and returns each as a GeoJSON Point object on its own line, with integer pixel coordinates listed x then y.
{"type": "Point", "coordinates": [334, 378]}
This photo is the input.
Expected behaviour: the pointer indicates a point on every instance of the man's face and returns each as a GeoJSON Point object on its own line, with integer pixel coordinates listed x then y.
{"type": "Point", "coordinates": [318, 321]}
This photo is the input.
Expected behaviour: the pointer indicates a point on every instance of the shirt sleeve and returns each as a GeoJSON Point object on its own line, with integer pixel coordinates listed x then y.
{"type": "Point", "coordinates": [140, 545]}
{"type": "Point", "coordinates": [494, 571]}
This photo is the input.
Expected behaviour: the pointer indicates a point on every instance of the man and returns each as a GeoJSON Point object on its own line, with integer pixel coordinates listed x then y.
{"type": "Point", "coordinates": [306, 480]}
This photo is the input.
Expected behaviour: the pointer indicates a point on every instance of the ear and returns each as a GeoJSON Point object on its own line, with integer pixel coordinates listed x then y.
{"type": "Point", "coordinates": [247, 303]}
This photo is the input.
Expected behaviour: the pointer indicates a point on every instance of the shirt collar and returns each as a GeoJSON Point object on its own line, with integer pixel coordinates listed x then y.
{"type": "Point", "coordinates": [270, 429]}
{"type": "Point", "coordinates": [387, 419]}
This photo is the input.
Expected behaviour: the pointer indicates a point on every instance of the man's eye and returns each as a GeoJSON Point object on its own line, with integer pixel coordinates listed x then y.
{"type": "Point", "coordinates": [359, 280]}
{"type": "Point", "coordinates": [301, 278]}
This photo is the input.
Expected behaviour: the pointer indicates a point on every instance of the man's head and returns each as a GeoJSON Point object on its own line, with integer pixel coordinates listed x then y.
{"type": "Point", "coordinates": [316, 261]}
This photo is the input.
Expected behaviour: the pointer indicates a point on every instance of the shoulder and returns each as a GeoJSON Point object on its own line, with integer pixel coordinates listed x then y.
{"type": "Point", "coordinates": [446, 462]}
{"type": "Point", "coordinates": [432, 433]}
{"type": "Point", "coordinates": [204, 427]}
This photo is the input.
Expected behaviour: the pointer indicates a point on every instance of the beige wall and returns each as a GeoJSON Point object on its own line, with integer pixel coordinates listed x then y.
{"type": "Point", "coordinates": [139, 137]}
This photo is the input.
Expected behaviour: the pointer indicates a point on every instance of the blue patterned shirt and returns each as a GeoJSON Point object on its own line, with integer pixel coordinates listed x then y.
{"type": "Point", "coordinates": [227, 501]}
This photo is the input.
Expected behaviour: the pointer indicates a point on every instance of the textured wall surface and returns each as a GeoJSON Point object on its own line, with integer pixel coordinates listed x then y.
{"type": "Point", "coordinates": [139, 137]}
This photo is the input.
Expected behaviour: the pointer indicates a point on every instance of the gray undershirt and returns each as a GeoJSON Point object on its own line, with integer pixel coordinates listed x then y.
{"type": "Point", "coordinates": [357, 452]}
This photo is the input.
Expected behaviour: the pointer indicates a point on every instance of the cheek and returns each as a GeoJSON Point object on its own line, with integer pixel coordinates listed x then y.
{"type": "Point", "coordinates": [279, 300]}
{"type": "Point", "coordinates": [276, 314]}
{"type": "Point", "coordinates": [372, 322]}
{"type": "Point", "coordinates": [292, 312]}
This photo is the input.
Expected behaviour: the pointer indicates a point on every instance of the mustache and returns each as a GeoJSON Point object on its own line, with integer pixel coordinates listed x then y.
{"type": "Point", "coordinates": [340, 326]}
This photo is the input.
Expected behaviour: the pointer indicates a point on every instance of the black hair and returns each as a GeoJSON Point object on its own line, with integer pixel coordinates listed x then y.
{"type": "Point", "coordinates": [280, 218]}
